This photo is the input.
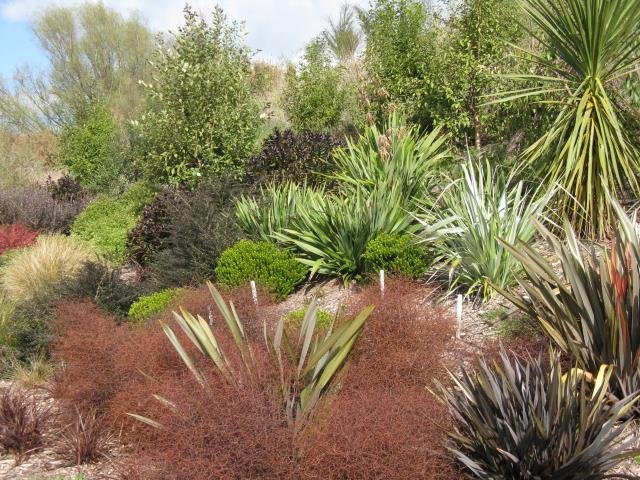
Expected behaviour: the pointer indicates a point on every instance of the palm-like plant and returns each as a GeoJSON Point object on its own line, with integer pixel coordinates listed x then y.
{"type": "Point", "coordinates": [306, 366]}
{"type": "Point", "coordinates": [590, 310]}
{"type": "Point", "coordinates": [342, 36]}
{"type": "Point", "coordinates": [593, 44]}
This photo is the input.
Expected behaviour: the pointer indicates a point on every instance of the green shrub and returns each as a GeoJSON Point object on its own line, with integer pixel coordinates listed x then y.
{"type": "Point", "coordinates": [520, 422]}
{"type": "Point", "coordinates": [107, 221]}
{"type": "Point", "coordinates": [149, 305]}
{"type": "Point", "coordinates": [89, 149]}
{"type": "Point", "coordinates": [323, 318]}
{"type": "Point", "coordinates": [263, 262]}
{"type": "Point", "coordinates": [395, 254]}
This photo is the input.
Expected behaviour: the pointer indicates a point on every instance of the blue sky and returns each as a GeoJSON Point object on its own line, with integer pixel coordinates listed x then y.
{"type": "Point", "coordinates": [279, 28]}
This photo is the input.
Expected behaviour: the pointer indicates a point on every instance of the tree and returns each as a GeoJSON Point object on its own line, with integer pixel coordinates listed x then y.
{"type": "Point", "coordinates": [200, 116]}
{"type": "Point", "coordinates": [399, 53]}
{"type": "Point", "coordinates": [587, 150]}
{"type": "Point", "coordinates": [476, 47]}
{"type": "Point", "coordinates": [90, 149]}
{"type": "Point", "coordinates": [94, 55]}
{"type": "Point", "coordinates": [315, 94]}
{"type": "Point", "coordinates": [342, 36]}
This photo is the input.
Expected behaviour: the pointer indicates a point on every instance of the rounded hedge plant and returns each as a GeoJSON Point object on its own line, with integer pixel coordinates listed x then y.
{"type": "Point", "coordinates": [263, 262]}
{"type": "Point", "coordinates": [149, 305]}
{"type": "Point", "coordinates": [395, 254]}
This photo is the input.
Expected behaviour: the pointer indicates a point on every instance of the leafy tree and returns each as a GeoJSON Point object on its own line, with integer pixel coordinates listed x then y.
{"type": "Point", "coordinates": [200, 115]}
{"type": "Point", "coordinates": [94, 55]}
{"type": "Point", "coordinates": [401, 40]}
{"type": "Point", "coordinates": [315, 94]}
{"type": "Point", "coordinates": [475, 48]}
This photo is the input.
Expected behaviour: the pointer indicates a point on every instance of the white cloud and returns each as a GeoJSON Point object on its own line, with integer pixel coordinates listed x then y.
{"type": "Point", "coordinates": [278, 28]}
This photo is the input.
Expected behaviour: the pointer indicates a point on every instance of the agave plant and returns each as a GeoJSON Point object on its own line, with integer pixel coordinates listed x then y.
{"type": "Point", "coordinates": [306, 366]}
{"type": "Point", "coordinates": [590, 309]}
{"type": "Point", "coordinates": [527, 421]}
{"type": "Point", "coordinates": [592, 45]}
{"type": "Point", "coordinates": [479, 209]}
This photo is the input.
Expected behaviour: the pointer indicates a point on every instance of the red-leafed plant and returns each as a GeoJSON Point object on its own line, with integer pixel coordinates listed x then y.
{"type": "Point", "coordinates": [16, 236]}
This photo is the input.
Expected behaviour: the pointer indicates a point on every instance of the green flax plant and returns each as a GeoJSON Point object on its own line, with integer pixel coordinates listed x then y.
{"type": "Point", "coordinates": [526, 421]}
{"type": "Point", "coordinates": [592, 45]}
{"type": "Point", "coordinates": [379, 179]}
{"type": "Point", "coordinates": [589, 305]}
{"type": "Point", "coordinates": [479, 209]}
{"type": "Point", "coordinates": [274, 208]}
{"type": "Point", "coordinates": [306, 365]}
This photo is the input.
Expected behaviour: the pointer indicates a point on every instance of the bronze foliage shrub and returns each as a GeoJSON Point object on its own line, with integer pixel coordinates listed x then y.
{"type": "Point", "coordinates": [380, 423]}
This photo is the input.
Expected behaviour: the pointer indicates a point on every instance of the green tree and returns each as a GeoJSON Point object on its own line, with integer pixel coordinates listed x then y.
{"type": "Point", "coordinates": [94, 55]}
{"type": "Point", "coordinates": [200, 117]}
{"type": "Point", "coordinates": [588, 149]}
{"type": "Point", "coordinates": [399, 54]}
{"type": "Point", "coordinates": [475, 48]}
{"type": "Point", "coordinates": [315, 94]}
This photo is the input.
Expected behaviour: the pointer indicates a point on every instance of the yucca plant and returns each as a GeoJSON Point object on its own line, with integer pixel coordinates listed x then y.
{"type": "Point", "coordinates": [589, 309]}
{"type": "Point", "coordinates": [593, 44]}
{"type": "Point", "coordinates": [306, 365]}
{"type": "Point", "coordinates": [479, 209]}
{"type": "Point", "coordinates": [516, 421]}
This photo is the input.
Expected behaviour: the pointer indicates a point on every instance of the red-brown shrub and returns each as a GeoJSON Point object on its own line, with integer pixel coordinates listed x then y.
{"type": "Point", "coordinates": [16, 236]}
{"type": "Point", "coordinates": [380, 422]}
{"type": "Point", "coordinates": [384, 423]}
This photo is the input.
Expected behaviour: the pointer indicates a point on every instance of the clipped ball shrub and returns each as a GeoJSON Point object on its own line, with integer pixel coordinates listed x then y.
{"type": "Point", "coordinates": [107, 221]}
{"type": "Point", "coordinates": [395, 254]}
{"type": "Point", "coordinates": [276, 269]}
{"type": "Point", "coordinates": [149, 305]}
{"type": "Point", "coordinates": [36, 272]}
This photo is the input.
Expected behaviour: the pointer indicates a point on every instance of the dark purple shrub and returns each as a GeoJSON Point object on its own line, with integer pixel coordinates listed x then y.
{"type": "Point", "coordinates": [287, 155]}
